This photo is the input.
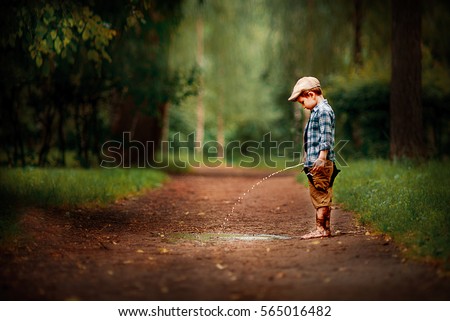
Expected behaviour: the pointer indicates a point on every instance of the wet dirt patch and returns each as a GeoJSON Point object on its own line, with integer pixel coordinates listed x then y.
{"type": "Point", "coordinates": [223, 237]}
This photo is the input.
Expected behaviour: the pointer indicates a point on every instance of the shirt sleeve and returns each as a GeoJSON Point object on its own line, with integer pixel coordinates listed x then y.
{"type": "Point", "coordinates": [325, 131]}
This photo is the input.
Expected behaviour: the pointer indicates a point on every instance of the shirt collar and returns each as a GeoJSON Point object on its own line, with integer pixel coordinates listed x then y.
{"type": "Point", "coordinates": [323, 102]}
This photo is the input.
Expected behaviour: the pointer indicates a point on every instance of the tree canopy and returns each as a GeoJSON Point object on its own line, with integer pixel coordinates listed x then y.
{"type": "Point", "coordinates": [76, 74]}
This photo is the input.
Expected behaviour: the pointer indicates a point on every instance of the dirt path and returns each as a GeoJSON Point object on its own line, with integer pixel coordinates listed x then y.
{"type": "Point", "coordinates": [164, 246]}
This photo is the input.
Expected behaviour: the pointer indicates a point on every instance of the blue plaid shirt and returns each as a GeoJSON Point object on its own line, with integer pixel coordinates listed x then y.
{"type": "Point", "coordinates": [319, 133]}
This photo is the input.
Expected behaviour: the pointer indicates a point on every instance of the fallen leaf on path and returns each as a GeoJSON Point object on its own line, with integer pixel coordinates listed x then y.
{"type": "Point", "coordinates": [140, 251]}
{"type": "Point", "coordinates": [127, 261]}
{"type": "Point", "coordinates": [232, 277]}
{"type": "Point", "coordinates": [315, 242]}
{"type": "Point", "coordinates": [220, 266]}
{"type": "Point", "coordinates": [163, 251]}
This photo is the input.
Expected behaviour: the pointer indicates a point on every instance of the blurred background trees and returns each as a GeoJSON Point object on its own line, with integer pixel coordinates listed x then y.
{"type": "Point", "coordinates": [76, 74]}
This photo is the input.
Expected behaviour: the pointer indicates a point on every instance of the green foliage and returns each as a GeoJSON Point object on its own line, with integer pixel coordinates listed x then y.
{"type": "Point", "coordinates": [317, 38]}
{"type": "Point", "coordinates": [406, 201]}
{"type": "Point", "coordinates": [59, 29]}
{"type": "Point", "coordinates": [141, 57]}
{"type": "Point", "coordinates": [67, 68]}
{"type": "Point", "coordinates": [362, 116]}
{"type": "Point", "coordinates": [233, 69]}
{"type": "Point", "coordinates": [66, 65]}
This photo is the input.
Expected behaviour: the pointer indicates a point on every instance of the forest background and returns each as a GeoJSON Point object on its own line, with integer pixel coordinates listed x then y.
{"type": "Point", "coordinates": [76, 75]}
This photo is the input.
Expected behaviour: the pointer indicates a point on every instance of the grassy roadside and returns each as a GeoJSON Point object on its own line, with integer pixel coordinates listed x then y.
{"type": "Point", "coordinates": [68, 188]}
{"type": "Point", "coordinates": [408, 202]}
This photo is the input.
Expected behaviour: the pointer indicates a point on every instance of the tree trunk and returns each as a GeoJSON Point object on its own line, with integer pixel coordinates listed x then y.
{"type": "Point", "coordinates": [220, 127]}
{"type": "Point", "coordinates": [357, 23]}
{"type": "Point", "coordinates": [200, 107]}
{"type": "Point", "coordinates": [61, 137]}
{"type": "Point", "coordinates": [406, 127]}
{"type": "Point", "coordinates": [78, 133]}
{"type": "Point", "coordinates": [47, 123]}
{"type": "Point", "coordinates": [95, 132]}
{"type": "Point", "coordinates": [19, 152]}
{"type": "Point", "coordinates": [85, 135]}
{"type": "Point", "coordinates": [165, 128]}
{"type": "Point", "coordinates": [309, 42]}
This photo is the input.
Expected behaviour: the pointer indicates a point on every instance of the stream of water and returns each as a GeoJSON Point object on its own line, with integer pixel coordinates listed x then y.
{"type": "Point", "coordinates": [241, 198]}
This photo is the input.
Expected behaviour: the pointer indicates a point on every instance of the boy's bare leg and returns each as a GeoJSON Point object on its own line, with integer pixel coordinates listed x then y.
{"type": "Point", "coordinates": [323, 215]}
{"type": "Point", "coordinates": [326, 212]}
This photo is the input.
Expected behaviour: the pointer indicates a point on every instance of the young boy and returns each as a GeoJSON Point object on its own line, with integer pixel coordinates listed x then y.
{"type": "Point", "coordinates": [318, 140]}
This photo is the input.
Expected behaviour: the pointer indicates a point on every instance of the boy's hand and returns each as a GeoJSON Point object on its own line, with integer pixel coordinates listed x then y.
{"type": "Point", "coordinates": [319, 164]}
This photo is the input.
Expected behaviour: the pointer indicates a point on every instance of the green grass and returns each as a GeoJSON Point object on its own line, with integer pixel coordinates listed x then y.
{"type": "Point", "coordinates": [70, 187]}
{"type": "Point", "coordinates": [408, 202]}
{"type": "Point", "coordinates": [67, 188]}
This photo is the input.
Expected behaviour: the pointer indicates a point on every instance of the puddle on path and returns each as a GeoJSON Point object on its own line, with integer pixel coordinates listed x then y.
{"type": "Point", "coordinates": [217, 237]}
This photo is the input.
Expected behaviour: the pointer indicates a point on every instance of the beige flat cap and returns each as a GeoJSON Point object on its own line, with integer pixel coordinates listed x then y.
{"type": "Point", "coordinates": [304, 83]}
